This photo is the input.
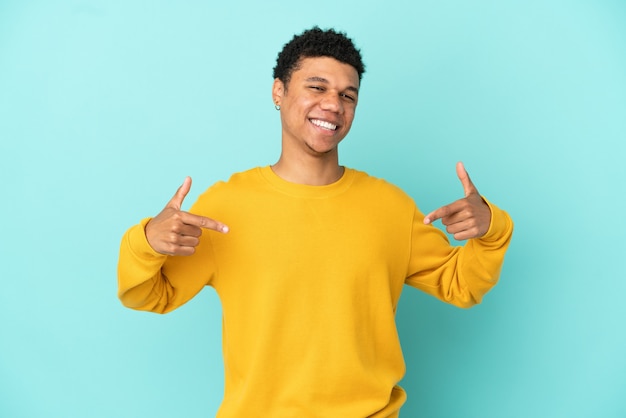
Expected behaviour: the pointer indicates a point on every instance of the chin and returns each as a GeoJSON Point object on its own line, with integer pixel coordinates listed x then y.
{"type": "Point", "coordinates": [324, 149]}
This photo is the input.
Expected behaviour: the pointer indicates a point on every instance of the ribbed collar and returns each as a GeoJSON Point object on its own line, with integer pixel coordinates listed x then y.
{"type": "Point", "coordinates": [304, 190]}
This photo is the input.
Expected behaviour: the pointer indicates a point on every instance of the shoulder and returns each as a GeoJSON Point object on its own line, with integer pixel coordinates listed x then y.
{"type": "Point", "coordinates": [248, 178]}
{"type": "Point", "coordinates": [379, 187]}
{"type": "Point", "coordinates": [230, 190]}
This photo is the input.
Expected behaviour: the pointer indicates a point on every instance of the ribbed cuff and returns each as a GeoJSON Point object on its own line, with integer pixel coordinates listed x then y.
{"type": "Point", "coordinates": [500, 223]}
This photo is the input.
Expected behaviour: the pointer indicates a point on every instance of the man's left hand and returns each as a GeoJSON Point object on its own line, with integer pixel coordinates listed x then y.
{"type": "Point", "coordinates": [466, 218]}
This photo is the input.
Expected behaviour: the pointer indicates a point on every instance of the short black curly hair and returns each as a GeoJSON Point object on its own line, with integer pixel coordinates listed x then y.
{"type": "Point", "coordinates": [316, 42]}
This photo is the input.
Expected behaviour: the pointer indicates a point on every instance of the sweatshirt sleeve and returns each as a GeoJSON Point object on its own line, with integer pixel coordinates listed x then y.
{"type": "Point", "coordinates": [458, 275]}
{"type": "Point", "coordinates": [150, 281]}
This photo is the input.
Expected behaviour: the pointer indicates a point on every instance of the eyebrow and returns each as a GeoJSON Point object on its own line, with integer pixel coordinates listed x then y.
{"type": "Point", "coordinates": [323, 80]}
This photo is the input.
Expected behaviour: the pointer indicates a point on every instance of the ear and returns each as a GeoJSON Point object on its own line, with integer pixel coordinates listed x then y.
{"type": "Point", "coordinates": [278, 91]}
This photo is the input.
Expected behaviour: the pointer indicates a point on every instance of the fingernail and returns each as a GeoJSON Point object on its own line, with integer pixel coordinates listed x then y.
{"type": "Point", "coordinates": [426, 221]}
{"type": "Point", "coordinates": [225, 229]}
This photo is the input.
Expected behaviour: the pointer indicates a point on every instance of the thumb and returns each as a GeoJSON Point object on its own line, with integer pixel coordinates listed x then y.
{"type": "Point", "coordinates": [468, 186]}
{"type": "Point", "coordinates": [177, 201]}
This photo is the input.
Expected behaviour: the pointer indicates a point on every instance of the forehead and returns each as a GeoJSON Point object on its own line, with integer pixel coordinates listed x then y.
{"type": "Point", "coordinates": [328, 68]}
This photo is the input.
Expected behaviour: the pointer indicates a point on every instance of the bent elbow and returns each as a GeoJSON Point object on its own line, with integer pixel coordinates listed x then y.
{"type": "Point", "coordinates": [136, 300]}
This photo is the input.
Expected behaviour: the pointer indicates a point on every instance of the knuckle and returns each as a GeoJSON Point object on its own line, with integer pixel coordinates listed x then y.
{"type": "Point", "coordinates": [171, 249]}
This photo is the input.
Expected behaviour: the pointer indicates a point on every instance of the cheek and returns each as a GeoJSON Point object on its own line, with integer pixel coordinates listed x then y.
{"type": "Point", "coordinates": [349, 116]}
{"type": "Point", "coordinates": [300, 107]}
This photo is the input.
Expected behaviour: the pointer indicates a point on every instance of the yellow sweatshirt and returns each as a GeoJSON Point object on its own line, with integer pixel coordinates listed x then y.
{"type": "Point", "coordinates": [309, 278]}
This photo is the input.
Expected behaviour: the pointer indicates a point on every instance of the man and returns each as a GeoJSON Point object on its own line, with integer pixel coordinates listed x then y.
{"type": "Point", "coordinates": [309, 257]}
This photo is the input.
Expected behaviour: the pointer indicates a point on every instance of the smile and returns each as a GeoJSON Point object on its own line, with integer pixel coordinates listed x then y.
{"type": "Point", "coordinates": [323, 124]}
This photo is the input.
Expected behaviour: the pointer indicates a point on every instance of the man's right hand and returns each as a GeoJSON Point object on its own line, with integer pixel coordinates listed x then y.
{"type": "Point", "coordinates": [174, 232]}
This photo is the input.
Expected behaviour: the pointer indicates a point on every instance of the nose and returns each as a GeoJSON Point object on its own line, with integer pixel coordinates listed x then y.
{"type": "Point", "coordinates": [332, 103]}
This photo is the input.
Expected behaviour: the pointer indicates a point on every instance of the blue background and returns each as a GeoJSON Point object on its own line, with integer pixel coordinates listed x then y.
{"type": "Point", "coordinates": [105, 106]}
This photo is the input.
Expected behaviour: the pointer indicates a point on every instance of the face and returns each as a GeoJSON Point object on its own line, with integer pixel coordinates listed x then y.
{"type": "Point", "coordinates": [317, 106]}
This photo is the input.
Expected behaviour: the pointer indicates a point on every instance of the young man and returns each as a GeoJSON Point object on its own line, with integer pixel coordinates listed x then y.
{"type": "Point", "coordinates": [309, 257]}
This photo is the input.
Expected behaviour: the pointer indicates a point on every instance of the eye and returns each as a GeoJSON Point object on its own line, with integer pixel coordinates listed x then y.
{"type": "Point", "coordinates": [348, 97]}
{"type": "Point", "coordinates": [318, 88]}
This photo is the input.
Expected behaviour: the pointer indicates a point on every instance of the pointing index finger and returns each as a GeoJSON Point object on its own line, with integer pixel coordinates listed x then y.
{"type": "Point", "coordinates": [436, 214]}
{"type": "Point", "coordinates": [204, 222]}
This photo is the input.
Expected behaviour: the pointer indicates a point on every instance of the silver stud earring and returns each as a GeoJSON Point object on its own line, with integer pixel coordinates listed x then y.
{"type": "Point", "coordinates": [277, 107]}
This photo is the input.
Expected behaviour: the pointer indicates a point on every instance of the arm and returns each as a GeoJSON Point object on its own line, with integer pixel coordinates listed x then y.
{"type": "Point", "coordinates": [460, 275]}
{"type": "Point", "coordinates": [153, 272]}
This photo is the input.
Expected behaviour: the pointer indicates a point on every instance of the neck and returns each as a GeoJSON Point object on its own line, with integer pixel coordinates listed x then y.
{"type": "Point", "coordinates": [312, 171]}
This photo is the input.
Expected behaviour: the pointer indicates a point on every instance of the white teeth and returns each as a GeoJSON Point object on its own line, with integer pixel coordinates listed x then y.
{"type": "Point", "coordinates": [323, 124]}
